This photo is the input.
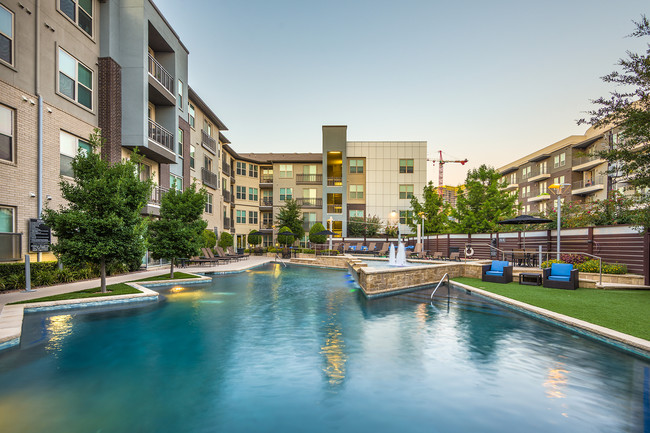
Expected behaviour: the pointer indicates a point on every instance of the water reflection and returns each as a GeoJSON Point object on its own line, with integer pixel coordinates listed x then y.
{"type": "Point", "coordinates": [333, 350]}
{"type": "Point", "coordinates": [556, 381]}
{"type": "Point", "coordinates": [57, 328]}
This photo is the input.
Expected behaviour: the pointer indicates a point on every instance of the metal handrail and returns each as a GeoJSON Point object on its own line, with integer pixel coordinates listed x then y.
{"type": "Point", "coordinates": [492, 247]}
{"type": "Point", "coordinates": [600, 260]}
{"type": "Point", "coordinates": [439, 283]}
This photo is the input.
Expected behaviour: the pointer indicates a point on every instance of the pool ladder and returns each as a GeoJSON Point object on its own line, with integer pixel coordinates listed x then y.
{"type": "Point", "coordinates": [277, 258]}
{"type": "Point", "coordinates": [439, 283]}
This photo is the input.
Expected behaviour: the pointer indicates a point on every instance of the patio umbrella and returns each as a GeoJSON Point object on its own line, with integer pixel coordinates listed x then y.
{"type": "Point", "coordinates": [325, 233]}
{"type": "Point", "coordinates": [525, 219]}
{"type": "Point", "coordinates": [255, 233]}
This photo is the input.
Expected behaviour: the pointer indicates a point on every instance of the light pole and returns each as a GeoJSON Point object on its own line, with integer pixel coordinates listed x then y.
{"type": "Point", "coordinates": [330, 222]}
{"type": "Point", "coordinates": [422, 216]}
{"type": "Point", "coordinates": [558, 191]}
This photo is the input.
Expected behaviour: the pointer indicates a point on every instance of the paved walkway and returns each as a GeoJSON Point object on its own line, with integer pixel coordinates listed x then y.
{"type": "Point", "coordinates": [7, 298]}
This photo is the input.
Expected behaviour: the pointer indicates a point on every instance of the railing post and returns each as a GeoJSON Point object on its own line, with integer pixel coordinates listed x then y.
{"type": "Point", "coordinates": [28, 275]}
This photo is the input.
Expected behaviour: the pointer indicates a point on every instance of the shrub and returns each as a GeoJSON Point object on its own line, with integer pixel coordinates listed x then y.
{"type": "Point", "coordinates": [209, 239]}
{"type": "Point", "coordinates": [64, 275]}
{"type": "Point", "coordinates": [254, 239]}
{"type": "Point", "coordinates": [15, 282]}
{"type": "Point", "coordinates": [44, 277]}
{"type": "Point", "coordinates": [225, 240]}
{"type": "Point", "coordinates": [574, 259]}
{"type": "Point", "coordinates": [314, 238]}
{"type": "Point", "coordinates": [307, 251]}
{"type": "Point", "coordinates": [285, 240]}
{"type": "Point", "coordinates": [116, 268]}
{"type": "Point", "coordinates": [614, 268]}
{"type": "Point", "coordinates": [548, 263]}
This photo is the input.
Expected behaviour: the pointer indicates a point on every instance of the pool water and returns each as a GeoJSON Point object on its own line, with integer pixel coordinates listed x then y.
{"type": "Point", "coordinates": [301, 350]}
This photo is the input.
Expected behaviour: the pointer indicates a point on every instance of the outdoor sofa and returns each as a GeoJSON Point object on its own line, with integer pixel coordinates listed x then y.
{"type": "Point", "coordinates": [499, 271]}
{"type": "Point", "coordinates": [560, 276]}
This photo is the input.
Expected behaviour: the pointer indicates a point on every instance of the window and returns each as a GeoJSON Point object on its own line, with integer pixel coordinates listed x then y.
{"type": "Point", "coordinates": [542, 207]}
{"type": "Point", "coordinates": [6, 133]}
{"type": "Point", "coordinates": [286, 194]}
{"type": "Point", "coordinates": [192, 154]}
{"type": "Point", "coordinates": [180, 95]}
{"type": "Point", "coordinates": [252, 194]}
{"type": "Point", "coordinates": [80, 12]}
{"type": "Point", "coordinates": [252, 170]}
{"type": "Point", "coordinates": [6, 219]}
{"type": "Point", "coordinates": [525, 173]}
{"type": "Point", "coordinates": [542, 167]}
{"type": "Point", "coordinates": [75, 80]}
{"type": "Point", "coordinates": [405, 191]}
{"type": "Point", "coordinates": [207, 127]}
{"type": "Point", "coordinates": [356, 166]}
{"type": "Point", "coordinates": [241, 192]}
{"type": "Point", "coordinates": [241, 217]}
{"type": "Point", "coordinates": [267, 218]}
{"type": "Point", "coordinates": [241, 168]}
{"type": "Point", "coordinates": [559, 180]}
{"type": "Point", "coordinates": [542, 188]}
{"type": "Point", "coordinates": [252, 217]}
{"type": "Point", "coordinates": [191, 115]}
{"type": "Point", "coordinates": [356, 214]}
{"type": "Point", "coordinates": [356, 191]}
{"type": "Point", "coordinates": [180, 142]}
{"type": "Point", "coordinates": [513, 178]}
{"type": "Point", "coordinates": [207, 163]}
{"type": "Point", "coordinates": [6, 35]}
{"type": "Point", "coordinates": [208, 202]}
{"type": "Point", "coordinates": [406, 217]}
{"type": "Point", "coordinates": [406, 166]}
{"type": "Point", "coordinates": [309, 219]}
{"type": "Point", "coordinates": [559, 160]}
{"type": "Point", "coordinates": [286, 170]}
{"type": "Point", "coordinates": [144, 172]}
{"type": "Point", "coordinates": [176, 182]}
{"type": "Point", "coordinates": [309, 196]}
{"type": "Point", "coordinates": [70, 146]}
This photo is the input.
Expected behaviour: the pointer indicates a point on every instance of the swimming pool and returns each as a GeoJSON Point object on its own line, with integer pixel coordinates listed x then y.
{"type": "Point", "coordinates": [299, 349]}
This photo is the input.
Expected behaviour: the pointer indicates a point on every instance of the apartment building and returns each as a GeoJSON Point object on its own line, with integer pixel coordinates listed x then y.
{"type": "Point", "coordinates": [570, 162]}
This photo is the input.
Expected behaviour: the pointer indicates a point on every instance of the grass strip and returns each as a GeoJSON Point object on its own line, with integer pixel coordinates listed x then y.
{"type": "Point", "coordinates": [177, 276]}
{"type": "Point", "coordinates": [113, 290]}
{"type": "Point", "coordinates": [621, 310]}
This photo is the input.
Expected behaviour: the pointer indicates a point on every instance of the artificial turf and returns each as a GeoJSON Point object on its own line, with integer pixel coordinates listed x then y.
{"type": "Point", "coordinates": [113, 290]}
{"type": "Point", "coordinates": [626, 311]}
{"type": "Point", "coordinates": [177, 276]}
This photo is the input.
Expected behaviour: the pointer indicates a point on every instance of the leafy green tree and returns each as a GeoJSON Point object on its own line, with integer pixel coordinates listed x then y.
{"type": "Point", "coordinates": [209, 239]}
{"type": "Point", "coordinates": [180, 230]}
{"type": "Point", "coordinates": [285, 240]}
{"type": "Point", "coordinates": [254, 239]}
{"type": "Point", "coordinates": [373, 225]}
{"type": "Point", "coordinates": [101, 222]}
{"type": "Point", "coordinates": [482, 202]}
{"type": "Point", "coordinates": [225, 240]}
{"type": "Point", "coordinates": [314, 238]}
{"type": "Point", "coordinates": [290, 215]}
{"type": "Point", "coordinates": [434, 210]}
{"type": "Point", "coordinates": [628, 112]}
{"type": "Point", "coordinates": [356, 227]}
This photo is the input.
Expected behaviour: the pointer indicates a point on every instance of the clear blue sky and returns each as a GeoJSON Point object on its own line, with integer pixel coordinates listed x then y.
{"type": "Point", "coordinates": [488, 81]}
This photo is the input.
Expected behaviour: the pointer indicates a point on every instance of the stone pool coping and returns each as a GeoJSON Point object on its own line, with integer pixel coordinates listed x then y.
{"type": "Point", "coordinates": [610, 336]}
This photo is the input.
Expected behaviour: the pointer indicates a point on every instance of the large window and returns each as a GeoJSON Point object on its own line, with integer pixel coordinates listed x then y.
{"type": "Point", "coordinates": [252, 170]}
{"type": "Point", "coordinates": [191, 115]}
{"type": "Point", "coordinates": [406, 217]}
{"type": "Point", "coordinates": [405, 191]}
{"type": "Point", "coordinates": [309, 219]}
{"type": "Point", "coordinates": [525, 172]}
{"type": "Point", "coordinates": [356, 166]}
{"type": "Point", "coordinates": [180, 95]}
{"type": "Point", "coordinates": [241, 217]}
{"type": "Point", "coordinates": [406, 166]}
{"type": "Point", "coordinates": [208, 202]}
{"type": "Point", "coordinates": [252, 217]}
{"type": "Point", "coordinates": [358, 213]}
{"type": "Point", "coordinates": [241, 192]}
{"type": "Point", "coordinates": [70, 146]}
{"type": "Point", "coordinates": [75, 80]}
{"type": "Point", "coordinates": [144, 172]}
{"type": "Point", "coordinates": [80, 12]}
{"type": "Point", "coordinates": [6, 219]}
{"type": "Point", "coordinates": [252, 194]}
{"type": "Point", "coordinates": [192, 154]}
{"type": "Point", "coordinates": [241, 168]}
{"type": "Point", "coordinates": [559, 160]}
{"type": "Point", "coordinates": [356, 191]}
{"type": "Point", "coordinates": [176, 182]}
{"type": "Point", "coordinates": [286, 170]}
{"type": "Point", "coordinates": [6, 35]}
{"type": "Point", "coordinates": [6, 133]}
{"type": "Point", "coordinates": [180, 142]}
{"type": "Point", "coordinates": [286, 194]}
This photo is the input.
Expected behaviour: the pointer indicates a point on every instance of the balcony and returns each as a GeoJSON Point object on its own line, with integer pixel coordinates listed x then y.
{"type": "Point", "coordinates": [334, 181]}
{"type": "Point", "coordinates": [590, 186]}
{"type": "Point", "coordinates": [511, 186]}
{"type": "Point", "coordinates": [540, 197]}
{"type": "Point", "coordinates": [153, 205]}
{"type": "Point", "coordinates": [335, 208]}
{"type": "Point", "coordinates": [539, 174]}
{"type": "Point", "coordinates": [226, 196]}
{"type": "Point", "coordinates": [161, 144]}
{"type": "Point", "coordinates": [586, 163]}
{"type": "Point", "coordinates": [309, 179]}
{"type": "Point", "coordinates": [226, 223]}
{"type": "Point", "coordinates": [10, 247]}
{"type": "Point", "coordinates": [310, 202]}
{"type": "Point", "coordinates": [208, 142]}
{"type": "Point", "coordinates": [161, 84]}
{"type": "Point", "coordinates": [266, 202]}
{"type": "Point", "coordinates": [209, 178]}
{"type": "Point", "coordinates": [225, 168]}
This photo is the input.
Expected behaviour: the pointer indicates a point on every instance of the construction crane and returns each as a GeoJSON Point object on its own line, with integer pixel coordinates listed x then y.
{"type": "Point", "coordinates": [441, 164]}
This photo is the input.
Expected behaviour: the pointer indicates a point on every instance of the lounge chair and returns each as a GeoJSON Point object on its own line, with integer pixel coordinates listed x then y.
{"type": "Point", "coordinates": [207, 255]}
{"type": "Point", "coordinates": [438, 256]}
{"type": "Point", "coordinates": [560, 276]}
{"type": "Point", "coordinates": [232, 252]}
{"type": "Point", "coordinates": [372, 247]}
{"type": "Point", "coordinates": [200, 261]}
{"type": "Point", "coordinates": [359, 246]}
{"type": "Point", "coordinates": [221, 255]}
{"type": "Point", "coordinates": [417, 251]}
{"type": "Point", "coordinates": [498, 272]}
{"type": "Point", "coordinates": [455, 256]}
{"type": "Point", "coordinates": [384, 249]}
{"type": "Point", "coordinates": [346, 247]}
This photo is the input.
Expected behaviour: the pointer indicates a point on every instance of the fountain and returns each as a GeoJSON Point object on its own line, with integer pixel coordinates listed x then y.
{"type": "Point", "coordinates": [399, 258]}
{"type": "Point", "coordinates": [391, 255]}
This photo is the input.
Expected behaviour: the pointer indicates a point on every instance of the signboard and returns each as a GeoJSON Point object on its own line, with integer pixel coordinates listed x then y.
{"type": "Point", "coordinates": [39, 236]}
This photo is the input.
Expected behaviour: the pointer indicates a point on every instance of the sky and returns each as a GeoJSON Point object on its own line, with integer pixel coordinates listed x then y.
{"type": "Point", "coordinates": [487, 81]}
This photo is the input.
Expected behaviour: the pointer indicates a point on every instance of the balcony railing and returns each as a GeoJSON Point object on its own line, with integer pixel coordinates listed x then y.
{"type": "Point", "coordinates": [266, 178]}
{"type": "Point", "coordinates": [209, 142]}
{"type": "Point", "coordinates": [156, 194]}
{"type": "Point", "coordinates": [596, 181]}
{"type": "Point", "coordinates": [226, 223]}
{"type": "Point", "coordinates": [225, 168]}
{"type": "Point", "coordinates": [226, 196]}
{"type": "Point", "coordinates": [315, 179]}
{"type": "Point", "coordinates": [310, 202]}
{"type": "Point", "coordinates": [160, 135]}
{"type": "Point", "coordinates": [334, 181]}
{"type": "Point", "coordinates": [10, 246]}
{"type": "Point", "coordinates": [266, 201]}
{"type": "Point", "coordinates": [585, 159]}
{"type": "Point", "coordinates": [209, 178]}
{"type": "Point", "coordinates": [334, 208]}
{"type": "Point", "coordinates": [161, 75]}
{"type": "Point", "coordinates": [537, 171]}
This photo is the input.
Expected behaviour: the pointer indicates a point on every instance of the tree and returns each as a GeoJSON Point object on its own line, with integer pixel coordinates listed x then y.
{"type": "Point", "coordinates": [285, 240]}
{"type": "Point", "coordinates": [434, 210]}
{"type": "Point", "coordinates": [290, 215]}
{"type": "Point", "coordinates": [225, 240]}
{"type": "Point", "coordinates": [373, 224]}
{"type": "Point", "coordinates": [209, 239]}
{"type": "Point", "coordinates": [628, 111]}
{"type": "Point", "coordinates": [254, 239]}
{"type": "Point", "coordinates": [101, 223]}
{"type": "Point", "coordinates": [179, 231]}
{"type": "Point", "coordinates": [356, 227]}
{"type": "Point", "coordinates": [482, 202]}
{"type": "Point", "coordinates": [314, 238]}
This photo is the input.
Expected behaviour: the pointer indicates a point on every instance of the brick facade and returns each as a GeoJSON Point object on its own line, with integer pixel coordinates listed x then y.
{"type": "Point", "coordinates": [109, 96]}
{"type": "Point", "coordinates": [185, 127]}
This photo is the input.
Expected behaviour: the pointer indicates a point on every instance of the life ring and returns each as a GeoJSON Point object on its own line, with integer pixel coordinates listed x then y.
{"type": "Point", "coordinates": [469, 252]}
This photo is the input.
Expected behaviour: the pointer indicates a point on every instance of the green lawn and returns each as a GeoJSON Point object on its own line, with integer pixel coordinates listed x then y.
{"type": "Point", "coordinates": [626, 311]}
{"type": "Point", "coordinates": [177, 276]}
{"type": "Point", "coordinates": [113, 290]}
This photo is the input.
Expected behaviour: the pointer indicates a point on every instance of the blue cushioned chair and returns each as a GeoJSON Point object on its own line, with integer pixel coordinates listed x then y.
{"type": "Point", "coordinates": [497, 272]}
{"type": "Point", "coordinates": [560, 276]}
